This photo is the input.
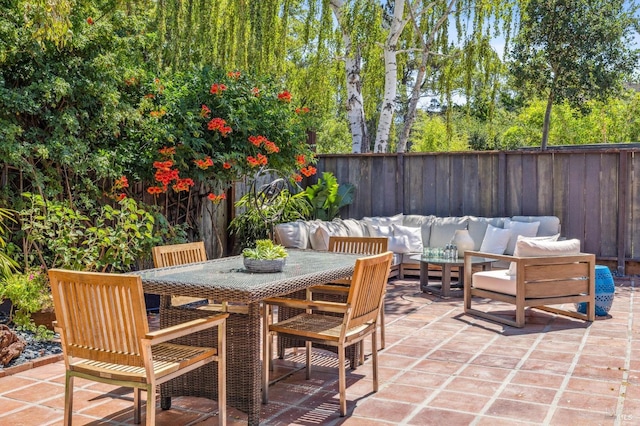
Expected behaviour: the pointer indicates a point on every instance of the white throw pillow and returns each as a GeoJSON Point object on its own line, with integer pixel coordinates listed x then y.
{"type": "Point", "coordinates": [527, 229]}
{"type": "Point", "coordinates": [414, 237]}
{"type": "Point", "coordinates": [530, 247]}
{"type": "Point", "coordinates": [399, 244]}
{"type": "Point", "coordinates": [293, 234]}
{"type": "Point", "coordinates": [495, 240]}
{"type": "Point", "coordinates": [380, 230]}
{"type": "Point", "coordinates": [382, 221]}
{"type": "Point", "coordinates": [321, 231]}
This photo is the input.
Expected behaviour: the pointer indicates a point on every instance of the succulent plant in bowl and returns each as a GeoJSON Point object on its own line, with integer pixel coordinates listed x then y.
{"type": "Point", "coordinates": [265, 257]}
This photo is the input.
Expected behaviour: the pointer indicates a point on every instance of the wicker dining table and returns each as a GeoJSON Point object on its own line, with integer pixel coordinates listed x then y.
{"type": "Point", "coordinates": [226, 280]}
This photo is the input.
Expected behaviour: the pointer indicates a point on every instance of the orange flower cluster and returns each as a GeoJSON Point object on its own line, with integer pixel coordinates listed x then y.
{"type": "Point", "coordinates": [121, 196]}
{"type": "Point", "coordinates": [90, 20]}
{"type": "Point", "coordinates": [255, 91]}
{"type": "Point", "coordinates": [300, 160]}
{"type": "Point", "coordinates": [226, 165]}
{"type": "Point", "coordinates": [167, 152]}
{"type": "Point", "coordinates": [257, 140]}
{"type": "Point", "coordinates": [308, 171]}
{"type": "Point", "coordinates": [296, 177]}
{"type": "Point", "coordinates": [165, 174]}
{"type": "Point", "coordinates": [259, 160]}
{"type": "Point", "coordinates": [303, 110]}
{"type": "Point", "coordinates": [205, 111]}
{"type": "Point", "coordinates": [130, 81]}
{"type": "Point", "coordinates": [123, 182]}
{"type": "Point", "coordinates": [271, 147]}
{"type": "Point", "coordinates": [183, 184]}
{"type": "Point", "coordinates": [284, 96]}
{"type": "Point", "coordinates": [217, 198]}
{"type": "Point", "coordinates": [204, 164]}
{"type": "Point", "coordinates": [218, 88]}
{"type": "Point", "coordinates": [220, 125]}
{"type": "Point", "coordinates": [233, 74]}
{"type": "Point", "coordinates": [159, 113]}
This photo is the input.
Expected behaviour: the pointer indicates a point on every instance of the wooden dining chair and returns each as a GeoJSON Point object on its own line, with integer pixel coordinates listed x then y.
{"type": "Point", "coordinates": [179, 254]}
{"type": "Point", "coordinates": [105, 337]}
{"type": "Point", "coordinates": [354, 245]}
{"type": "Point", "coordinates": [358, 319]}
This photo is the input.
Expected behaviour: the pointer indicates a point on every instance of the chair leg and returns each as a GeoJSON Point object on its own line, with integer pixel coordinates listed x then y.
{"type": "Point", "coordinates": [137, 404]}
{"type": "Point", "coordinates": [151, 403]}
{"type": "Point", "coordinates": [382, 327]}
{"type": "Point", "coordinates": [374, 360]}
{"type": "Point", "coordinates": [342, 381]}
{"type": "Point", "coordinates": [68, 398]}
{"type": "Point", "coordinates": [307, 345]}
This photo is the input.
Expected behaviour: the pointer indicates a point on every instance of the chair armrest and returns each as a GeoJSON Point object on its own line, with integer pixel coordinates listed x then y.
{"type": "Point", "coordinates": [307, 304]}
{"type": "Point", "coordinates": [169, 333]}
{"type": "Point", "coordinates": [508, 258]}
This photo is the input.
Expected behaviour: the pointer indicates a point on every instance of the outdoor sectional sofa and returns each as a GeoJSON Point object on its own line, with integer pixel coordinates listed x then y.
{"type": "Point", "coordinates": [408, 234]}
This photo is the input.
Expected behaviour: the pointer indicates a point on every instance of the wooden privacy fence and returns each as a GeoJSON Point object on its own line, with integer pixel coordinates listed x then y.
{"type": "Point", "coordinates": [595, 191]}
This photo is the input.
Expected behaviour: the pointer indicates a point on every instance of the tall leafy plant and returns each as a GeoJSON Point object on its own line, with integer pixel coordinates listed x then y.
{"type": "Point", "coordinates": [7, 264]}
{"type": "Point", "coordinates": [327, 196]}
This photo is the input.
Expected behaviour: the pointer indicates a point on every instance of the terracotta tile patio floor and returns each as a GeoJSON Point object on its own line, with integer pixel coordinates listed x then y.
{"type": "Point", "coordinates": [439, 366]}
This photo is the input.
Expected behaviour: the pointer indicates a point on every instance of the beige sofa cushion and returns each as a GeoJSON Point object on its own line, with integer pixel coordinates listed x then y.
{"type": "Point", "coordinates": [478, 227]}
{"type": "Point", "coordinates": [542, 247]}
{"type": "Point", "coordinates": [526, 229]}
{"type": "Point", "coordinates": [444, 228]}
{"type": "Point", "coordinates": [495, 240]}
{"type": "Point", "coordinates": [496, 280]}
{"type": "Point", "coordinates": [293, 234]}
{"type": "Point", "coordinates": [549, 225]}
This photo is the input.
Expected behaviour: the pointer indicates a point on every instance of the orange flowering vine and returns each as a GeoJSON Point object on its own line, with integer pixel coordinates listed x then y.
{"type": "Point", "coordinates": [226, 165]}
{"type": "Point", "coordinates": [120, 183]}
{"type": "Point", "coordinates": [271, 147]}
{"type": "Point", "coordinates": [284, 96]}
{"type": "Point", "coordinates": [90, 20]}
{"type": "Point", "coordinates": [205, 163]}
{"type": "Point", "coordinates": [303, 110]}
{"type": "Point", "coordinates": [217, 198]}
{"type": "Point", "coordinates": [233, 74]}
{"type": "Point", "coordinates": [220, 125]}
{"type": "Point", "coordinates": [257, 140]}
{"type": "Point", "coordinates": [205, 111]}
{"type": "Point", "coordinates": [167, 151]}
{"type": "Point", "coordinates": [255, 91]}
{"type": "Point", "coordinates": [308, 171]}
{"type": "Point", "coordinates": [300, 160]}
{"type": "Point", "coordinates": [296, 177]}
{"type": "Point", "coordinates": [218, 88]}
{"type": "Point", "coordinates": [155, 190]}
{"type": "Point", "coordinates": [121, 196]}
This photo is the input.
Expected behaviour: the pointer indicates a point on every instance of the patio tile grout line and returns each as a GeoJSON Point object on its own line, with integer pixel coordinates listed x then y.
{"type": "Point", "coordinates": [619, 414]}
{"type": "Point", "coordinates": [553, 406]}
{"type": "Point", "coordinates": [451, 377]}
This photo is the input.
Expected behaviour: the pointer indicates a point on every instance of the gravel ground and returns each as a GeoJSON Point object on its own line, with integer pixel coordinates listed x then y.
{"type": "Point", "coordinates": [34, 348]}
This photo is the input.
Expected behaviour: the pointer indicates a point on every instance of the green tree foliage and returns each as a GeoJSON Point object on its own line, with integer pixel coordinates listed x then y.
{"type": "Point", "coordinates": [64, 109]}
{"type": "Point", "coordinates": [573, 49]}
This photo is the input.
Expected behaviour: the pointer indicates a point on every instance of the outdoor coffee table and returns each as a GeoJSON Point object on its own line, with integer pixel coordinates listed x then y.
{"type": "Point", "coordinates": [227, 280]}
{"type": "Point", "coordinates": [445, 286]}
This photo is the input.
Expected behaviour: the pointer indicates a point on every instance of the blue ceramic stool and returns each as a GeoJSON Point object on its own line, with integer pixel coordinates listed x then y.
{"type": "Point", "coordinates": [605, 290]}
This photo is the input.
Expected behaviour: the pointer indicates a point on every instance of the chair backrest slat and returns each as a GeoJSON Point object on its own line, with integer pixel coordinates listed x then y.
{"type": "Point", "coordinates": [179, 254]}
{"type": "Point", "coordinates": [102, 315]}
{"type": "Point", "coordinates": [367, 289]}
{"type": "Point", "coordinates": [358, 245]}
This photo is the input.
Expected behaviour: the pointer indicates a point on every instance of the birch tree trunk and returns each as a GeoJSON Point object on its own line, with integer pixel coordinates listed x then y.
{"type": "Point", "coordinates": [416, 92]}
{"type": "Point", "coordinates": [355, 103]}
{"type": "Point", "coordinates": [390, 77]}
